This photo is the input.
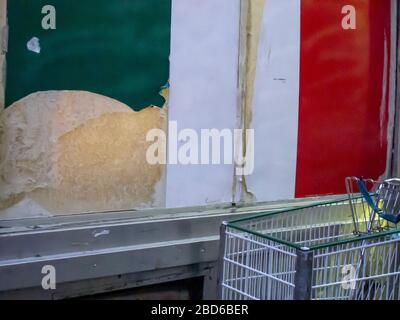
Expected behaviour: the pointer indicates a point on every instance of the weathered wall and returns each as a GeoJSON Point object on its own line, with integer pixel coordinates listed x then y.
{"type": "Point", "coordinates": [251, 14]}
{"type": "Point", "coordinates": [75, 151]}
{"type": "Point", "coordinates": [69, 150]}
{"type": "Point", "coordinates": [85, 165]}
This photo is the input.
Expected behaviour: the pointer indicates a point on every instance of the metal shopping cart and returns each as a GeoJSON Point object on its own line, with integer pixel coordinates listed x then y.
{"type": "Point", "coordinates": [380, 203]}
{"type": "Point", "coordinates": [380, 207]}
{"type": "Point", "coordinates": [320, 252]}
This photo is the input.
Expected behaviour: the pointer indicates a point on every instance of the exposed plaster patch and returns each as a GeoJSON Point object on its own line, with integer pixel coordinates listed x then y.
{"type": "Point", "coordinates": [75, 151]}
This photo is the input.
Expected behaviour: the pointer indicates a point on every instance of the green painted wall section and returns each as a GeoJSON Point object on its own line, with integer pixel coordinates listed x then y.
{"type": "Point", "coordinates": [116, 48]}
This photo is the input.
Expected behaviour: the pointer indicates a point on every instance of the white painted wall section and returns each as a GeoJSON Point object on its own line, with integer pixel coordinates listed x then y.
{"type": "Point", "coordinates": [276, 102]}
{"type": "Point", "coordinates": [203, 79]}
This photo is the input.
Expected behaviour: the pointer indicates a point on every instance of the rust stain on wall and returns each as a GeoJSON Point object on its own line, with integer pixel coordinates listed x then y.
{"type": "Point", "coordinates": [250, 30]}
{"type": "Point", "coordinates": [253, 30]}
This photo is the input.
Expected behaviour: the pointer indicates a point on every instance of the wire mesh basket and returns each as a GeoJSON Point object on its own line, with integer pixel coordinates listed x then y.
{"type": "Point", "coordinates": [309, 253]}
{"type": "Point", "coordinates": [375, 205]}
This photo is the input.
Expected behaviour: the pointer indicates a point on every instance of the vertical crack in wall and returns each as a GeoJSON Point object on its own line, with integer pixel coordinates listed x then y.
{"type": "Point", "coordinates": [251, 14]}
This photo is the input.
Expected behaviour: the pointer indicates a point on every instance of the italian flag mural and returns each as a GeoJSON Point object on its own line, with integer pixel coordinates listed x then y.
{"type": "Point", "coordinates": [313, 79]}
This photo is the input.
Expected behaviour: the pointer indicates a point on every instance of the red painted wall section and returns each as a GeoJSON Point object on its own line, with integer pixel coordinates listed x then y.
{"type": "Point", "coordinates": [344, 89]}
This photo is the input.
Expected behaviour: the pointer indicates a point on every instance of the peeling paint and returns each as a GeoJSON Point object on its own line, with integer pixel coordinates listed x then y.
{"type": "Point", "coordinates": [34, 45]}
{"type": "Point", "coordinates": [76, 151]}
{"type": "Point", "coordinates": [253, 28]}
{"type": "Point", "coordinates": [250, 29]}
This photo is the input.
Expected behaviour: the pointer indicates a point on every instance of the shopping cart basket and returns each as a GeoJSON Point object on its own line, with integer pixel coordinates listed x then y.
{"type": "Point", "coordinates": [309, 253]}
{"type": "Point", "coordinates": [380, 203]}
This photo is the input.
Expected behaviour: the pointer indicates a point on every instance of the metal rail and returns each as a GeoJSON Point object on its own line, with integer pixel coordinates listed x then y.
{"type": "Point", "coordinates": [109, 251]}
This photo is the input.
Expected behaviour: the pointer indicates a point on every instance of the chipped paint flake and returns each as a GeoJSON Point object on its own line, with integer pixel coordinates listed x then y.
{"type": "Point", "coordinates": [34, 45]}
